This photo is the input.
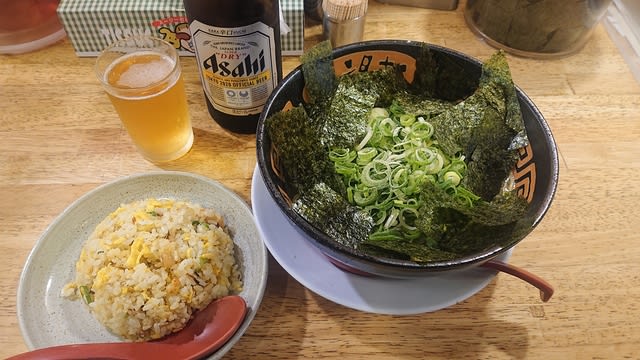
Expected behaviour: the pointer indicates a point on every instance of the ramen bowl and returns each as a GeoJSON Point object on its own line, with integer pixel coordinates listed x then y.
{"type": "Point", "coordinates": [535, 174]}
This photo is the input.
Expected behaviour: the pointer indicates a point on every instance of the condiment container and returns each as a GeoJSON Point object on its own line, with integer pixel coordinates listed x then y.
{"type": "Point", "coordinates": [343, 21]}
{"type": "Point", "coordinates": [537, 29]}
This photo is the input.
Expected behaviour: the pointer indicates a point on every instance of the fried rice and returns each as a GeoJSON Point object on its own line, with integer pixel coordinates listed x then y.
{"type": "Point", "coordinates": [151, 264]}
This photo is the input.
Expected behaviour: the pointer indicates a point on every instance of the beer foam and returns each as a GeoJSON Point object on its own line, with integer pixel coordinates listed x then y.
{"type": "Point", "coordinates": [142, 74]}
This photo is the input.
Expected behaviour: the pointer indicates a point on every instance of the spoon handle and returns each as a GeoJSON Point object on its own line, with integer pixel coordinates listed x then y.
{"type": "Point", "coordinates": [99, 350]}
{"type": "Point", "coordinates": [546, 289]}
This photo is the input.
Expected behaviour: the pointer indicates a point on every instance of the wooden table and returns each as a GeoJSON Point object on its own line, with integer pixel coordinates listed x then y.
{"type": "Point", "coordinates": [60, 137]}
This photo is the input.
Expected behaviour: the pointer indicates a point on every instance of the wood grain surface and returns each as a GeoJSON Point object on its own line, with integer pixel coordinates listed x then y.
{"type": "Point", "coordinates": [60, 137]}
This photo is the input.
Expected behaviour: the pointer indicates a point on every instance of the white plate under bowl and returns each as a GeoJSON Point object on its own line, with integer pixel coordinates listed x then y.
{"type": "Point", "coordinates": [379, 295]}
{"type": "Point", "coordinates": [47, 319]}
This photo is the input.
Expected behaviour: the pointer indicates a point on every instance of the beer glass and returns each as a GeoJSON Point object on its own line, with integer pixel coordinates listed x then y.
{"type": "Point", "coordinates": [143, 79]}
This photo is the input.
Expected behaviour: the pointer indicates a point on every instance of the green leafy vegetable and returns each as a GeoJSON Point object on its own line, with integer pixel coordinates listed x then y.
{"type": "Point", "coordinates": [195, 224]}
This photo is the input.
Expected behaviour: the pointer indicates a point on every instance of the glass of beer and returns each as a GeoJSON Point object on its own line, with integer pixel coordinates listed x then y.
{"type": "Point", "coordinates": [143, 79]}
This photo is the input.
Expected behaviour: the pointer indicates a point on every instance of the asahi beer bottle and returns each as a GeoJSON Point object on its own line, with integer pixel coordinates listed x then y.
{"type": "Point", "coordinates": [237, 45]}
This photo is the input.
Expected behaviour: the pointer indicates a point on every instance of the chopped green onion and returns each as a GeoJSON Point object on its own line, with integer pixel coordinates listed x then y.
{"type": "Point", "coordinates": [385, 172]}
{"type": "Point", "coordinates": [407, 119]}
{"type": "Point", "coordinates": [86, 294]}
{"type": "Point", "coordinates": [387, 127]}
{"type": "Point", "coordinates": [378, 113]}
{"type": "Point", "coordinates": [366, 155]}
{"type": "Point", "coordinates": [195, 224]}
{"type": "Point", "coordinates": [452, 177]}
{"type": "Point", "coordinates": [203, 260]}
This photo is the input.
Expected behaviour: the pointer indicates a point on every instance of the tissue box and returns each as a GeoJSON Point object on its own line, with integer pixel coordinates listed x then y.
{"type": "Point", "coordinates": [92, 25]}
{"type": "Point", "coordinates": [293, 11]}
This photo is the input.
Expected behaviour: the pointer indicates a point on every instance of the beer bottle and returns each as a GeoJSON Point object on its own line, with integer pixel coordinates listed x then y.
{"type": "Point", "coordinates": [237, 45]}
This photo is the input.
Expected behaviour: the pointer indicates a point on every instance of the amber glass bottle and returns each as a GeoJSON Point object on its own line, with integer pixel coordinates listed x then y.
{"type": "Point", "coordinates": [237, 46]}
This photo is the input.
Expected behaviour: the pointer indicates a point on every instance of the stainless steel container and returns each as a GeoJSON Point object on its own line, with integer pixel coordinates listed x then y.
{"type": "Point", "coordinates": [343, 21]}
{"type": "Point", "coordinates": [343, 31]}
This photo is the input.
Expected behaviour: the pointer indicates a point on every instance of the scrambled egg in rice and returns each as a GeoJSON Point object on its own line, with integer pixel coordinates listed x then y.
{"type": "Point", "coordinates": [151, 264]}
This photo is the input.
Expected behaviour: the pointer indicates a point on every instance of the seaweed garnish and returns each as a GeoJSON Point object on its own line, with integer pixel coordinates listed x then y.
{"type": "Point", "coordinates": [501, 128]}
{"type": "Point", "coordinates": [439, 76]}
{"type": "Point", "coordinates": [344, 122]}
{"type": "Point", "coordinates": [293, 138]}
{"type": "Point", "coordinates": [496, 71]}
{"type": "Point", "coordinates": [320, 79]}
{"type": "Point", "coordinates": [332, 214]}
{"type": "Point", "coordinates": [453, 230]}
{"type": "Point", "coordinates": [414, 250]}
{"type": "Point", "coordinates": [384, 84]}
{"type": "Point", "coordinates": [485, 127]}
{"type": "Point", "coordinates": [427, 108]}
{"type": "Point", "coordinates": [338, 106]}
{"type": "Point", "coordinates": [455, 79]}
{"type": "Point", "coordinates": [456, 225]}
{"type": "Point", "coordinates": [487, 149]}
{"type": "Point", "coordinates": [425, 79]}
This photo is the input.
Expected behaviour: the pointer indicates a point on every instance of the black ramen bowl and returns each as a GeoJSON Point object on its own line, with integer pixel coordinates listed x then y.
{"type": "Point", "coordinates": [536, 172]}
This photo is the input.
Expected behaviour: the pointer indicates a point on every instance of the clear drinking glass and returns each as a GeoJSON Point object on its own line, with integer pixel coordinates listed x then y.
{"type": "Point", "coordinates": [143, 79]}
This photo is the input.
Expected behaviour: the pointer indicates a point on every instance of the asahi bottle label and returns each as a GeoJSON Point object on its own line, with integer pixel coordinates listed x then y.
{"type": "Point", "coordinates": [237, 65]}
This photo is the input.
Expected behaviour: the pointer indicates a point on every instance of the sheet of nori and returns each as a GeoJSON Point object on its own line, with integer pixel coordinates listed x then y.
{"type": "Point", "coordinates": [332, 214]}
{"type": "Point", "coordinates": [486, 128]}
{"type": "Point", "coordinates": [344, 122]}
{"type": "Point", "coordinates": [319, 76]}
{"type": "Point", "coordinates": [304, 160]}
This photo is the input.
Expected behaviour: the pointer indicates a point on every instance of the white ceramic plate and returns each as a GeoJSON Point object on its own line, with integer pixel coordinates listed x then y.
{"type": "Point", "coordinates": [370, 294]}
{"type": "Point", "coordinates": [46, 319]}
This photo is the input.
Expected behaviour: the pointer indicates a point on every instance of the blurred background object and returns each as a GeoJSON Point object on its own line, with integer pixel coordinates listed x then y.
{"type": "Point", "coordinates": [427, 4]}
{"type": "Point", "coordinates": [623, 25]}
{"type": "Point", "coordinates": [537, 29]}
{"type": "Point", "coordinates": [28, 25]}
{"type": "Point", "coordinates": [313, 9]}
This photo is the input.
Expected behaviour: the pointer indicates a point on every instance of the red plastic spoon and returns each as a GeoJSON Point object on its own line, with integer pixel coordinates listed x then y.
{"type": "Point", "coordinates": [206, 332]}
